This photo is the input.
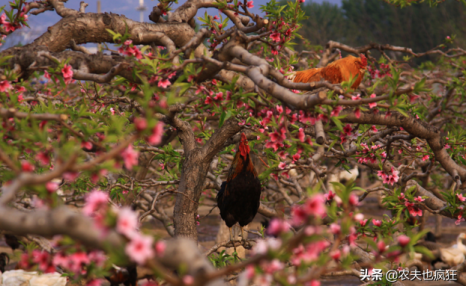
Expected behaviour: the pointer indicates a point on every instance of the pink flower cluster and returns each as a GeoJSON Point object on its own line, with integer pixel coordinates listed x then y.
{"type": "Point", "coordinates": [348, 134]}
{"type": "Point", "coordinates": [71, 262]}
{"type": "Point", "coordinates": [276, 139]}
{"type": "Point", "coordinates": [5, 86]}
{"type": "Point", "coordinates": [130, 50]}
{"type": "Point", "coordinates": [11, 27]}
{"type": "Point", "coordinates": [67, 72]}
{"type": "Point", "coordinates": [156, 137]}
{"type": "Point", "coordinates": [314, 206]}
{"type": "Point", "coordinates": [278, 226]}
{"type": "Point", "coordinates": [367, 155]}
{"type": "Point", "coordinates": [379, 73]}
{"type": "Point", "coordinates": [309, 253]}
{"type": "Point", "coordinates": [412, 209]}
{"type": "Point", "coordinates": [130, 157]}
{"type": "Point", "coordinates": [391, 178]}
{"type": "Point", "coordinates": [264, 245]}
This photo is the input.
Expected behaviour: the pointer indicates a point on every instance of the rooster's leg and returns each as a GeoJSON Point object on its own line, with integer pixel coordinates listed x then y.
{"type": "Point", "coordinates": [231, 239]}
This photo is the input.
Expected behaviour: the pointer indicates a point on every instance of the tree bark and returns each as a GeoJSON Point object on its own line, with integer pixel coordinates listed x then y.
{"type": "Point", "coordinates": [194, 172]}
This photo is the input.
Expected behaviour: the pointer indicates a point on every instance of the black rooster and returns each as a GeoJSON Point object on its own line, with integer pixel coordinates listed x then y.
{"type": "Point", "coordinates": [239, 197]}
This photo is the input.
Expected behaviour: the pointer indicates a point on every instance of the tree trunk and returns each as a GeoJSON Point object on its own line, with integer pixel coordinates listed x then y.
{"type": "Point", "coordinates": [192, 180]}
{"type": "Point", "coordinates": [195, 168]}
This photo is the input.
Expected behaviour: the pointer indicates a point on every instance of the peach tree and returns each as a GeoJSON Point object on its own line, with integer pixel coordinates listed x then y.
{"type": "Point", "coordinates": [95, 144]}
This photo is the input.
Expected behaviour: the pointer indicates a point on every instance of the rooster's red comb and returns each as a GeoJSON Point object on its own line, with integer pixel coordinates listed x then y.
{"type": "Point", "coordinates": [363, 59]}
{"type": "Point", "coordinates": [244, 146]}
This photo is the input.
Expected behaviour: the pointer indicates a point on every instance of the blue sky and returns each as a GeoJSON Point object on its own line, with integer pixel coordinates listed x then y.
{"type": "Point", "coordinates": [40, 22]}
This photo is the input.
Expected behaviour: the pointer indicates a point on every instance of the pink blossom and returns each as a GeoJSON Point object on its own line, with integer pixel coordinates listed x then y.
{"type": "Point", "coordinates": [282, 154]}
{"type": "Point", "coordinates": [51, 187]}
{"type": "Point", "coordinates": [127, 222]}
{"type": "Point", "coordinates": [60, 259]}
{"type": "Point", "coordinates": [330, 195]}
{"type": "Point", "coordinates": [249, 4]}
{"type": "Point", "coordinates": [94, 201]}
{"type": "Point", "coordinates": [86, 145]}
{"type": "Point", "coordinates": [413, 97]}
{"type": "Point", "coordinates": [282, 165]}
{"type": "Point", "coordinates": [296, 157]}
{"type": "Point", "coordinates": [67, 72]}
{"type": "Point", "coordinates": [459, 220]}
{"type": "Point", "coordinates": [357, 97]}
{"type": "Point", "coordinates": [160, 247]}
{"type": "Point", "coordinates": [188, 280]}
{"type": "Point", "coordinates": [219, 96]}
{"type": "Point", "coordinates": [41, 258]}
{"type": "Point", "coordinates": [301, 134]}
{"type": "Point", "coordinates": [315, 205]}
{"type": "Point", "coordinates": [372, 104]}
{"type": "Point", "coordinates": [347, 129]}
{"type": "Point", "coordinates": [208, 100]}
{"type": "Point", "coordinates": [419, 199]}
{"type": "Point", "coordinates": [336, 111]}
{"type": "Point", "coordinates": [377, 222]}
{"type": "Point", "coordinates": [77, 260]}
{"type": "Point", "coordinates": [335, 254]}
{"type": "Point", "coordinates": [130, 157]}
{"type": "Point", "coordinates": [286, 174]}
{"type": "Point", "coordinates": [353, 200]}
{"type": "Point", "coordinates": [374, 129]}
{"type": "Point", "coordinates": [298, 216]}
{"type": "Point", "coordinates": [98, 257]}
{"type": "Point", "coordinates": [403, 240]}
{"type": "Point", "coordinates": [9, 27]}
{"type": "Point", "coordinates": [277, 226]}
{"type": "Point", "coordinates": [460, 197]}
{"type": "Point", "coordinates": [275, 37]}
{"type": "Point", "coordinates": [335, 228]}
{"type": "Point", "coordinates": [358, 217]}
{"type": "Point", "coordinates": [164, 83]}
{"type": "Point", "coordinates": [140, 248]}
{"type": "Point", "coordinates": [70, 176]}
{"type": "Point", "coordinates": [43, 158]}
{"type": "Point", "coordinates": [381, 246]}
{"type": "Point", "coordinates": [26, 166]}
{"type": "Point", "coordinates": [140, 123]}
{"type": "Point", "coordinates": [112, 110]}
{"type": "Point", "coordinates": [357, 112]}
{"type": "Point", "coordinates": [95, 282]}
{"type": "Point", "coordinates": [157, 134]}
{"type": "Point", "coordinates": [363, 222]}
{"type": "Point", "coordinates": [150, 283]}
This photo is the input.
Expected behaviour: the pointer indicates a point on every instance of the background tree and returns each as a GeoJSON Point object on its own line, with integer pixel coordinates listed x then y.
{"type": "Point", "coordinates": [358, 22]}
